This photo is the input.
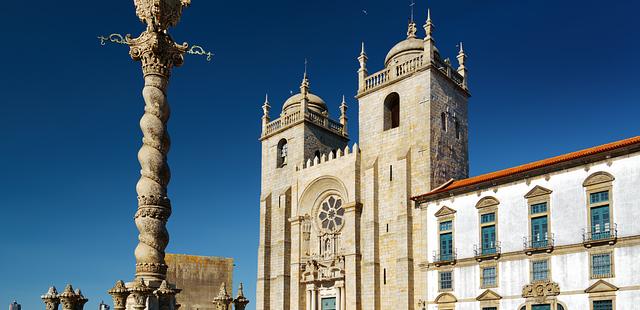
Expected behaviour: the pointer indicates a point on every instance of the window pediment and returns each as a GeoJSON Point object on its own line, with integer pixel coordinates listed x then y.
{"type": "Point", "coordinates": [598, 178]}
{"type": "Point", "coordinates": [488, 295]}
{"type": "Point", "coordinates": [487, 202]}
{"type": "Point", "coordinates": [601, 286]}
{"type": "Point", "coordinates": [445, 298]}
{"type": "Point", "coordinates": [444, 211]}
{"type": "Point", "coordinates": [538, 191]}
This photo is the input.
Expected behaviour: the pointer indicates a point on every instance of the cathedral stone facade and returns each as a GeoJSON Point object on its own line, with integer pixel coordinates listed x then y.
{"type": "Point", "coordinates": [395, 222]}
{"type": "Point", "coordinates": [338, 228]}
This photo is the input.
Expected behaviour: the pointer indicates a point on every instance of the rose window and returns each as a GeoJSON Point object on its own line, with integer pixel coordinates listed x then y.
{"type": "Point", "coordinates": [331, 214]}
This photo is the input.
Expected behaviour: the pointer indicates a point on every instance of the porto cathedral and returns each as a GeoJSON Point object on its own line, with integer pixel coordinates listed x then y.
{"type": "Point", "coordinates": [395, 222]}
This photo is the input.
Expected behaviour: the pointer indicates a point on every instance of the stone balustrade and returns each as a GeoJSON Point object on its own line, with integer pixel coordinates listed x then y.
{"type": "Point", "coordinates": [294, 118]}
{"type": "Point", "coordinates": [399, 71]}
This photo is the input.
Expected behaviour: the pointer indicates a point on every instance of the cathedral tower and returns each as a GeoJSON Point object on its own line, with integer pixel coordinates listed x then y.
{"type": "Point", "coordinates": [302, 135]}
{"type": "Point", "coordinates": [413, 137]}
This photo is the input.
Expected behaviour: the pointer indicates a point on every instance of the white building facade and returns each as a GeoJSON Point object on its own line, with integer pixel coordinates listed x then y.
{"type": "Point", "coordinates": [561, 233]}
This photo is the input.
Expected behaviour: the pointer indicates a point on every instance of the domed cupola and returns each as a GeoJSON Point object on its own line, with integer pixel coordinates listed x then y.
{"type": "Point", "coordinates": [314, 103]}
{"type": "Point", "coordinates": [406, 49]}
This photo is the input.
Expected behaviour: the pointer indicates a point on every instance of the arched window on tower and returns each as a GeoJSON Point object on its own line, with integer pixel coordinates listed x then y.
{"type": "Point", "coordinates": [283, 153]}
{"type": "Point", "coordinates": [443, 121]}
{"type": "Point", "coordinates": [457, 127]}
{"type": "Point", "coordinates": [392, 111]}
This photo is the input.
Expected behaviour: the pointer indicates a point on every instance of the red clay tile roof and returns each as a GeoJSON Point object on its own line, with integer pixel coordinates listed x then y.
{"type": "Point", "coordinates": [451, 185]}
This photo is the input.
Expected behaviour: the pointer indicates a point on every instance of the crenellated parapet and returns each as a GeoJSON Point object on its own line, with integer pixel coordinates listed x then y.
{"type": "Point", "coordinates": [346, 154]}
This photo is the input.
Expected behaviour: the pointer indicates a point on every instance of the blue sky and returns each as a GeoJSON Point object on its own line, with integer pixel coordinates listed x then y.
{"type": "Point", "coordinates": [547, 77]}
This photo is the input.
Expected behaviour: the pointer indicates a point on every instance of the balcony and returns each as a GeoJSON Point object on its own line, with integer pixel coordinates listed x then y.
{"type": "Point", "coordinates": [597, 237]}
{"type": "Point", "coordinates": [485, 253]}
{"type": "Point", "coordinates": [440, 259]}
{"type": "Point", "coordinates": [537, 245]}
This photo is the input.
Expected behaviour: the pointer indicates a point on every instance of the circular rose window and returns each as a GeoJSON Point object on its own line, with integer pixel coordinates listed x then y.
{"type": "Point", "coordinates": [331, 214]}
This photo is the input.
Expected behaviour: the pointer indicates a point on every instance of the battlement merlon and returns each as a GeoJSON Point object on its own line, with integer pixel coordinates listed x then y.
{"type": "Point", "coordinates": [294, 118]}
{"type": "Point", "coordinates": [340, 155]}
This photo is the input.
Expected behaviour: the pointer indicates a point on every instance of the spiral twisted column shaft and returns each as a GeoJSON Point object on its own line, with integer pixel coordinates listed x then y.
{"type": "Point", "coordinates": [158, 54]}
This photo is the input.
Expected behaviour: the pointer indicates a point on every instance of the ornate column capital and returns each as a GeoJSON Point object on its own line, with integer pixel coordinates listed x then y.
{"type": "Point", "coordinates": [51, 299]}
{"type": "Point", "coordinates": [157, 51]}
{"type": "Point", "coordinates": [119, 293]}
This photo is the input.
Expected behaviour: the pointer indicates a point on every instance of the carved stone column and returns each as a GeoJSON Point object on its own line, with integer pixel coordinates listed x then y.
{"type": "Point", "coordinates": [159, 54]}
{"type": "Point", "coordinates": [119, 293]}
{"type": "Point", "coordinates": [51, 299]}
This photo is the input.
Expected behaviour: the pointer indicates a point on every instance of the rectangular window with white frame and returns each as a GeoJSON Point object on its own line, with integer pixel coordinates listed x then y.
{"type": "Point", "coordinates": [603, 305]}
{"type": "Point", "coordinates": [601, 265]}
{"type": "Point", "coordinates": [540, 270]}
{"type": "Point", "coordinates": [446, 280]}
{"type": "Point", "coordinates": [489, 277]}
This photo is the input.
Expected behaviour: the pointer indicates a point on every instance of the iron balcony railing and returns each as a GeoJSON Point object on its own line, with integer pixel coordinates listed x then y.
{"type": "Point", "coordinates": [440, 258]}
{"type": "Point", "coordinates": [596, 235]}
{"type": "Point", "coordinates": [493, 250]}
{"type": "Point", "coordinates": [538, 243]}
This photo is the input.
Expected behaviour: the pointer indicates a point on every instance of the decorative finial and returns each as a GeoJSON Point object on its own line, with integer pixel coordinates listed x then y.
{"type": "Point", "coordinates": [305, 66]}
{"type": "Point", "coordinates": [413, 3]}
{"type": "Point", "coordinates": [428, 26]}
{"type": "Point", "coordinates": [304, 86]}
{"type": "Point", "coordinates": [241, 290]}
{"type": "Point", "coordinates": [343, 115]}
{"type": "Point", "coordinates": [223, 299]}
{"type": "Point", "coordinates": [119, 293]}
{"type": "Point", "coordinates": [223, 290]}
{"type": "Point", "coordinates": [362, 53]}
{"type": "Point", "coordinates": [266, 100]}
{"type": "Point", "coordinates": [462, 69]}
{"type": "Point", "coordinates": [51, 299]}
{"type": "Point", "coordinates": [240, 303]}
{"type": "Point", "coordinates": [411, 31]}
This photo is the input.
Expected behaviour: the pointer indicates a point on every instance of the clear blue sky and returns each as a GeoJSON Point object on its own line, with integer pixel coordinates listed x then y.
{"type": "Point", "coordinates": [547, 77]}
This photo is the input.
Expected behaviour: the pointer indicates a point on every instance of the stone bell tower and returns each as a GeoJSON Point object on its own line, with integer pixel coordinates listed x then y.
{"type": "Point", "coordinates": [413, 137]}
{"type": "Point", "coordinates": [303, 133]}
